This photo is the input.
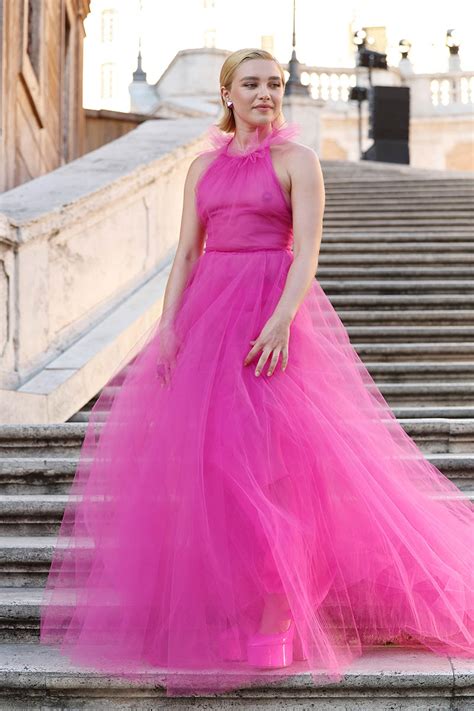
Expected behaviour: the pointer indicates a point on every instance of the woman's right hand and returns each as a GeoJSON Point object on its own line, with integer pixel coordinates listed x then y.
{"type": "Point", "coordinates": [168, 351]}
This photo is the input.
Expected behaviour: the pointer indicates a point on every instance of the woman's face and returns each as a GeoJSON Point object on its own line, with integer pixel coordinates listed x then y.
{"type": "Point", "coordinates": [256, 82]}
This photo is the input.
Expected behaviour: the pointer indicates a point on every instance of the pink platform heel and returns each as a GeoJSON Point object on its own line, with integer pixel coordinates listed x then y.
{"type": "Point", "coordinates": [271, 651]}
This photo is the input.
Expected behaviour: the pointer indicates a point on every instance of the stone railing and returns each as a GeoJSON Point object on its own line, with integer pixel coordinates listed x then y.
{"type": "Point", "coordinates": [431, 94]}
{"type": "Point", "coordinates": [84, 252]}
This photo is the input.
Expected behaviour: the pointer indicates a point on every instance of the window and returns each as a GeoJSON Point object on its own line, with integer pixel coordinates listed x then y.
{"type": "Point", "coordinates": [107, 25]}
{"type": "Point", "coordinates": [107, 80]}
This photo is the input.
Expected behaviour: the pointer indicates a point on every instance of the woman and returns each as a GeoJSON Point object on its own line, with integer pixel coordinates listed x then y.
{"type": "Point", "coordinates": [222, 525]}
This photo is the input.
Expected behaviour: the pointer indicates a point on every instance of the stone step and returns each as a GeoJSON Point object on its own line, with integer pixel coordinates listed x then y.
{"type": "Point", "coordinates": [53, 476]}
{"type": "Point", "coordinates": [426, 317]}
{"type": "Point", "coordinates": [357, 232]}
{"type": "Point", "coordinates": [40, 514]}
{"type": "Point", "coordinates": [20, 614]}
{"type": "Point", "coordinates": [370, 353]}
{"type": "Point", "coordinates": [450, 413]}
{"type": "Point", "coordinates": [31, 514]}
{"type": "Point", "coordinates": [428, 392]}
{"type": "Point", "coordinates": [386, 220]}
{"type": "Point", "coordinates": [411, 334]}
{"type": "Point", "coordinates": [451, 303]}
{"type": "Point", "coordinates": [385, 677]}
{"type": "Point", "coordinates": [397, 192]}
{"type": "Point", "coordinates": [389, 186]}
{"type": "Point", "coordinates": [422, 410]}
{"type": "Point", "coordinates": [396, 392]}
{"type": "Point", "coordinates": [395, 286]}
{"type": "Point", "coordinates": [412, 250]}
{"type": "Point", "coordinates": [25, 559]}
{"type": "Point", "coordinates": [407, 372]}
{"type": "Point", "coordinates": [399, 238]}
{"type": "Point", "coordinates": [451, 262]}
{"type": "Point", "coordinates": [401, 211]}
{"type": "Point", "coordinates": [396, 197]}
{"type": "Point", "coordinates": [400, 199]}
{"type": "Point", "coordinates": [436, 433]}
{"type": "Point", "coordinates": [383, 180]}
{"type": "Point", "coordinates": [62, 442]}
{"type": "Point", "coordinates": [398, 206]}
{"type": "Point", "coordinates": [382, 354]}
{"type": "Point", "coordinates": [377, 271]}
{"type": "Point", "coordinates": [415, 351]}
{"type": "Point", "coordinates": [52, 441]}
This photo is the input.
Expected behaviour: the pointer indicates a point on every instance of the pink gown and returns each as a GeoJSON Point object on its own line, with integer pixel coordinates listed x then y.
{"type": "Point", "coordinates": [194, 500]}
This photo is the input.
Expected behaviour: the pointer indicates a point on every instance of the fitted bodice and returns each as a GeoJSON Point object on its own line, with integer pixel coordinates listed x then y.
{"type": "Point", "coordinates": [239, 198]}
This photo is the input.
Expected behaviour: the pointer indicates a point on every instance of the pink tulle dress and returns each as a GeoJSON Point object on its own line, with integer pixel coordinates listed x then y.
{"type": "Point", "coordinates": [195, 499]}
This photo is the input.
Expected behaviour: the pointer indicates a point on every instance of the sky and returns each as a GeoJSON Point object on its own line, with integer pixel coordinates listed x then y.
{"type": "Point", "coordinates": [322, 28]}
{"type": "Point", "coordinates": [324, 34]}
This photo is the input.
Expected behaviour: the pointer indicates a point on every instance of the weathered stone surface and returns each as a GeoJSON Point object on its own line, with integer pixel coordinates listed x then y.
{"type": "Point", "coordinates": [385, 678]}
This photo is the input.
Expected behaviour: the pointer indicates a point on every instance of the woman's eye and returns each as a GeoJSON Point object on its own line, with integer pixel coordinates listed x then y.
{"type": "Point", "coordinates": [277, 85]}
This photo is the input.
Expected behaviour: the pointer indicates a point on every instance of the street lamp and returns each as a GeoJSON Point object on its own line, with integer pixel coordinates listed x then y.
{"type": "Point", "coordinates": [360, 38]}
{"type": "Point", "coordinates": [452, 43]}
{"type": "Point", "coordinates": [404, 47]}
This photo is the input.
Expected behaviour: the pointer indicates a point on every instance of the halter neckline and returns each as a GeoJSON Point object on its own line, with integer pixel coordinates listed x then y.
{"type": "Point", "coordinates": [254, 144]}
{"type": "Point", "coordinates": [278, 134]}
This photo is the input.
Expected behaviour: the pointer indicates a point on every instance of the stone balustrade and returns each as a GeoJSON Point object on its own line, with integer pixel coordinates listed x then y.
{"type": "Point", "coordinates": [90, 240]}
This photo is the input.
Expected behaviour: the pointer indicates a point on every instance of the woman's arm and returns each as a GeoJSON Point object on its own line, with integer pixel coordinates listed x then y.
{"type": "Point", "coordinates": [308, 201]}
{"type": "Point", "coordinates": [190, 244]}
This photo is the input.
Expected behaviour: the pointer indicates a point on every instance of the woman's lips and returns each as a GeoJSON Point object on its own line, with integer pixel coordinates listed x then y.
{"type": "Point", "coordinates": [263, 108]}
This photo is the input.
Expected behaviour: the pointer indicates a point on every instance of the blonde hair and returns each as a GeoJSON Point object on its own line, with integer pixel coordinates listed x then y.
{"type": "Point", "coordinates": [227, 121]}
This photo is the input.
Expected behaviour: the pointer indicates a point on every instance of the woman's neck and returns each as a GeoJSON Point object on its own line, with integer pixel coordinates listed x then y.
{"type": "Point", "coordinates": [244, 139]}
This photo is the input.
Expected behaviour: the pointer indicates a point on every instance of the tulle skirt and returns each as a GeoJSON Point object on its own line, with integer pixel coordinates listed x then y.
{"type": "Point", "coordinates": [196, 499]}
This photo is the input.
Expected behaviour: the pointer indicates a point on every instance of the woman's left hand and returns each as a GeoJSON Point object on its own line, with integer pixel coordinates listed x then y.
{"type": "Point", "coordinates": [273, 339]}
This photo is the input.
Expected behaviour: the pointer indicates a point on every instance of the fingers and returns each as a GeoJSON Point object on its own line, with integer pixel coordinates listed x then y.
{"type": "Point", "coordinates": [262, 360]}
{"type": "Point", "coordinates": [274, 361]}
{"type": "Point", "coordinates": [252, 352]}
{"type": "Point", "coordinates": [264, 357]}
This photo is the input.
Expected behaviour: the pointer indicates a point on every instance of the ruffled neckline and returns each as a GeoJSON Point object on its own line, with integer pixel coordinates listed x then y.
{"type": "Point", "coordinates": [279, 134]}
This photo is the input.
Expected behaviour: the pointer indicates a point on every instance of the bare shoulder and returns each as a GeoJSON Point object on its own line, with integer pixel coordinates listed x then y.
{"type": "Point", "coordinates": [199, 164]}
{"type": "Point", "coordinates": [296, 162]}
{"type": "Point", "coordinates": [304, 170]}
{"type": "Point", "coordinates": [301, 157]}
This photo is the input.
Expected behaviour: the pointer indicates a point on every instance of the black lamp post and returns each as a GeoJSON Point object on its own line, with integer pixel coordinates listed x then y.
{"type": "Point", "coordinates": [293, 84]}
{"type": "Point", "coordinates": [452, 43]}
{"type": "Point", "coordinates": [404, 47]}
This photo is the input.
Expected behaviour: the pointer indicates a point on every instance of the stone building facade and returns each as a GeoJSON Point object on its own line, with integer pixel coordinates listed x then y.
{"type": "Point", "coordinates": [42, 122]}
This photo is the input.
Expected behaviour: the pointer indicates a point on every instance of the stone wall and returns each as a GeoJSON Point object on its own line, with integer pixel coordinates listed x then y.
{"type": "Point", "coordinates": [76, 243]}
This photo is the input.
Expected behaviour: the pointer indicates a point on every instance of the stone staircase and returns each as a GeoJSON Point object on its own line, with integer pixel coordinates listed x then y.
{"type": "Point", "coordinates": [397, 264]}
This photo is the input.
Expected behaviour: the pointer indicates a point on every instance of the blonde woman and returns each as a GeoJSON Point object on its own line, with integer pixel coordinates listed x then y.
{"type": "Point", "coordinates": [246, 501]}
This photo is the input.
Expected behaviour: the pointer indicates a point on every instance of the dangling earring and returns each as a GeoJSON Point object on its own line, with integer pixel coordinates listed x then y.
{"type": "Point", "coordinates": [229, 103]}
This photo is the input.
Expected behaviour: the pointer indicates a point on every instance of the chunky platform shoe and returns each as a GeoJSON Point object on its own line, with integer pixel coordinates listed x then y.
{"type": "Point", "coordinates": [271, 651]}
